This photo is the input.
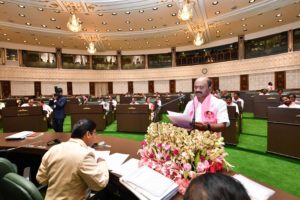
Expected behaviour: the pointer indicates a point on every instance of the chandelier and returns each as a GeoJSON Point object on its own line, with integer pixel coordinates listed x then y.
{"type": "Point", "coordinates": [199, 40]}
{"type": "Point", "coordinates": [186, 11]}
{"type": "Point", "coordinates": [91, 48]}
{"type": "Point", "coordinates": [74, 24]}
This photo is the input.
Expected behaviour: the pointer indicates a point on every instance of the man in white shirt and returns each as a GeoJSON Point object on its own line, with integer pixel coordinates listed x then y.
{"type": "Point", "coordinates": [230, 103]}
{"type": "Point", "coordinates": [236, 98]}
{"type": "Point", "coordinates": [206, 111]}
{"type": "Point", "coordinates": [46, 108]}
{"type": "Point", "coordinates": [287, 103]}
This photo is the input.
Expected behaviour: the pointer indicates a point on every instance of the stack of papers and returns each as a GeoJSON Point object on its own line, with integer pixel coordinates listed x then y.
{"type": "Point", "coordinates": [148, 184]}
{"type": "Point", "coordinates": [127, 168]}
{"type": "Point", "coordinates": [180, 119]}
{"type": "Point", "coordinates": [19, 136]}
{"type": "Point", "coordinates": [255, 191]}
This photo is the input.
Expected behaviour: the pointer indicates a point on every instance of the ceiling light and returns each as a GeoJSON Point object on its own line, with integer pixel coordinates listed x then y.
{"type": "Point", "coordinates": [141, 11]}
{"type": "Point", "coordinates": [57, 11]}
{"type": "Point", "coordinates": [261, 26]}
{"type": "Point", "coordinates": [24, 41]}
{"type": "Point", "coordinates": [40, 9]}
{"type": "Point", "coordinates": [52, 19]}
{"type": "Point", "coordinates": [186, 12]}
{"type": "Point", "coordinates": [91, 48]}
{"type": "Point", "coordinates": [142, 29]}
{"type": "Point", "coordinates": [74, 24]}
{"type": "Point", "coordinates": [298, 15]}
{"type": "Point", "coordinates": [155, 8]}
{"type": "Point", "coordinates": [28, 24]}
{"type": "Point", "coordinates": [107, 30]}
{"type": "Point", "coordinates": [150, 19]}
{"type": "Point", "coordinates": [21, 15]}
{"type": "Point", "coordinates": [244, 25]}
{"type": "Point", "coordinates": [127, 12]}
{"type": "Point", "coordinates": [100, 14]}
{"type": "Point", "coordinates": [4, 34]}
{"type": "Point", "coordinates": [177, 23]}
{"type": "Point", "coordinates": [104, 23]}
{"type": "Point", "coordinates": [58, 27]}
{"type": "Point", "coordinates": [21, 6]}
{"type": "Point", "coordinates": [174, 14]}
{"type": "Point", "coordinates": [153, 27]}
{"type": "Point", "coordinates": [215, 3]}
{"type": "Point", "coordinates": [227, 23]}
{"type": "Point", "coordinates": [44, 26]}
{"type": "Point", "coordinates": [7, 39]}
{"type": "Point", "coordinates": [218, 31]}
{"type": "Point", "coordinates": [35, 39]}
{"type": "Point", "coordinates": [198, 41]}
{"type": "Point", "coordinates": [231, 33]}
{"type": "Point", "coordinates": [217, 12]}
{"type": "Point", "coordinates": [280, 20]}
{"type": "Point", "coordinates": [1, 2]}
{"type": "Point", "coordinates": [131, 29]}
{"type": "Point", "coordinates": [251, 1]}
{"type": "Point", "coordinates": [245, 29]}
{"type": "Point", "coordinates": [127, 22]}
{"type": "Point", "coordinates": [278, 15]}
{"type": "Point", "coordinates": [243, 19]}
{"type": "Point", "coordinates": [114, 13]}
{"type": "Point", "coordinates": [119, 29]}
{"type": "Point", "coordinates": [97, 30]}
{"type": "Point", "coordinates": [169, 5]}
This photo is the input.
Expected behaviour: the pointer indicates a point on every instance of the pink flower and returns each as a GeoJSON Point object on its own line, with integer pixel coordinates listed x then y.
{"type": "Point", "coordinates": [167, 147]}
{"type": "Point", "coordinates": [202, 166]}
{"type": "Point", "coordinates": [192, 174]}
{"type": "Point", "coordinates": [159, 145]}
{"type": "Point", "coordinates": [144, 143]}
{"type": "Point", "coordinates": [187, 167]}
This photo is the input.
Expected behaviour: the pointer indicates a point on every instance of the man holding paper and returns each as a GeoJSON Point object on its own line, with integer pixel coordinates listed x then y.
{"type": "Point", "coordinates": [205, 110]}
{"type": "Point", "coordinates": [70, 169]}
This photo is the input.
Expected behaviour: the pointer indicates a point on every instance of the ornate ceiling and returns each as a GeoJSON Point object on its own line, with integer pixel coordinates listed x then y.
{"type": "Point", "coordinates": [139, 24]}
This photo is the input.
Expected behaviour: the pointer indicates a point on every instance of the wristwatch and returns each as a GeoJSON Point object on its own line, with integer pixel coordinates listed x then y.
{"type": "Point", "coordinates": [208, 127]}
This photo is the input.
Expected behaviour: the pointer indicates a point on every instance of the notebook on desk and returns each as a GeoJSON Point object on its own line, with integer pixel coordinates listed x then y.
{"type": "Point", "coordinates": [20, 135]}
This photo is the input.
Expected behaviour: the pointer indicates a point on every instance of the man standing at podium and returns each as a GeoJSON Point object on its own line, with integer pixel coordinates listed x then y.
{"type": "Point", "coordinates": [58, 103]}
{"type": "Point", "coordinates": [206, 111]}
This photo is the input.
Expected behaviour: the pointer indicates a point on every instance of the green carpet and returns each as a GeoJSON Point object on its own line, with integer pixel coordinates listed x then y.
{"type": "Point", "coordinates": [249, 157]}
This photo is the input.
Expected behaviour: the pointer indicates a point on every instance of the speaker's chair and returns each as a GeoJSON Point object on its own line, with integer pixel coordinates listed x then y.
{"type": "Point", "coordinates": [14, 186]}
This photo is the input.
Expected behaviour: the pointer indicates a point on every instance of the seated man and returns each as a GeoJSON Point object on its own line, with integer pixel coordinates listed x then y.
{"type": "Point", "coordinates": [70, 168]}
{"type": "Point", "coordinates": [133, 101]}
{"type": "Point", "coordinates": [287, 103]}
{"type": "Point", "coordinates": [230, 103]}
{"type": "Point", "coordinates": [236, 98]}
{"type": "Point", "coordinates": [293, 98]}
{"type": "Point", "coordinates": [30, 103]}
{"type": "Point", "coordinates": [215, 186]}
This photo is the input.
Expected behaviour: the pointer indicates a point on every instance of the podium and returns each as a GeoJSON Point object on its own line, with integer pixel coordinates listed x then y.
{"type": "Point", "coordinates": [284, 131]}
{"type": "Point", "coordinates": [231, 134]}
{"type": "Point", "coordinates": [262, 102]}
{"type": "Point", "coordinates": [133, 118]}
{"type": "Point", "coordinates": [16, 119]}
{"type": "Point", "coordinates": [95, 113]}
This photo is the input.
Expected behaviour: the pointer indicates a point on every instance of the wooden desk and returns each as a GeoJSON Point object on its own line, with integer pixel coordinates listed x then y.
{"type": "Point", "coordinates": [17, 119]}
{"type": "Point", "coordinates": [248, 98]}
{"type": "Point", "coordinates": [95, 113]}
{"type": "Point", "coordinates": [173, 106]}
{"type": "Point", "coordinates": [284, 131]}
{"type": "Point", "coordinates": [231, 134]}
{"type": "Point", "coordinates": [133, 118]}
{"type": "Point", "coordinates": [127, 146]}
{"type": "Point", "coordinates": [262, 102]}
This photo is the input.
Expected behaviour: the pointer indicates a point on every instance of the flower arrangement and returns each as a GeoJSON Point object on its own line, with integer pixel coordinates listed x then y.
{"type": "Point", "coordinates": [180, 155]}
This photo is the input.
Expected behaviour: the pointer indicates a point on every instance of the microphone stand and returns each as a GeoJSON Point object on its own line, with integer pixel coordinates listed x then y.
{"type": "Point", "coordinates": [156, 112]}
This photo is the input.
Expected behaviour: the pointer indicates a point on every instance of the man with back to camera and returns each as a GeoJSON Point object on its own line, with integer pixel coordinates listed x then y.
{"type": "Point", "coordinates": [70, 169]}
{"type": "Point", "coordinates": [206, 111]}
{"type": "Point", "coordinates": [58, 103]}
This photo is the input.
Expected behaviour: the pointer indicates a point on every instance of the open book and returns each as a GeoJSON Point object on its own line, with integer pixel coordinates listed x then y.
{"type": "Point", "coordinates": [180, 119]}
{"type": "Point", "coordinates": [148, 184]}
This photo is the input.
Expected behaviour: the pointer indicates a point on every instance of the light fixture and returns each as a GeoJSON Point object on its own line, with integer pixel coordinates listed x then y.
{"type": "Point", "coordinates": [186, 12]}
{"type": "Point", "coordinates": [198, 41]}
{"type": "Point", "coordinates": [91, 48]}
{"type": "Point", "coordinates": [74, 24]}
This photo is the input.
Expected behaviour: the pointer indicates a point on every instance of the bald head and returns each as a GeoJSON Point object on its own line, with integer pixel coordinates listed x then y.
{"type": "Point", "coordinates": [202, 87]}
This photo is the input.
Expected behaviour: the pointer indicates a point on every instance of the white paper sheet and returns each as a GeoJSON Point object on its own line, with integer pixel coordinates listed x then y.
{"type": "Point", "coordinates": [102, 154]}
{"type": "Point", "coordinates": [127, 168]}
{"type": "Point", "coordinates": [114, 161]}
{"type": "Point", "coordinates": [19, 135]}
{"type": "Point", "coordinates": [255, 190]}
{"type": "Point", "coordinates": [180, 119]}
